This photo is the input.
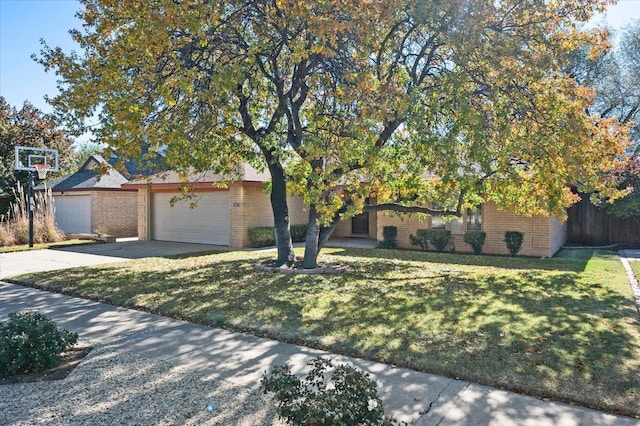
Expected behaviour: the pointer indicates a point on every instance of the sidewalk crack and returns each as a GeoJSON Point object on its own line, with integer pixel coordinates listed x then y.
{"type": "Point", "coordinates": [428, 409]}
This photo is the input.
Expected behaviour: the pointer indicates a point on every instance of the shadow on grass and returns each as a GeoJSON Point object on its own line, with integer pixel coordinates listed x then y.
{"type": "Point", "coordinates": [546, 331]}
{"type": "Point", "coordinates": [565, 260]}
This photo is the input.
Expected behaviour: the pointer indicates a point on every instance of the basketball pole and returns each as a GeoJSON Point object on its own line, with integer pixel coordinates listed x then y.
{"type": "Point", "coordinates": [31, 207]}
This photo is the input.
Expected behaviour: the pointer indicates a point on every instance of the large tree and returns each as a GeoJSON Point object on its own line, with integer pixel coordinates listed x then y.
{"type": "Point", "coordinates": [614, 74]}
{"type": "Point", "coordinates": [27, 126]}
{"type": "Point", "coordinates": [416, 103]}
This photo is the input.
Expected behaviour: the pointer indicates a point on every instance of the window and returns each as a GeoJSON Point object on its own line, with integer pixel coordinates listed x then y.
{"type": "Point", "coordinates": [437, 222]}
{"type": "Point", "coordinates": [472, 219]}
{"type": "Point", "coordinates": [456, 224]}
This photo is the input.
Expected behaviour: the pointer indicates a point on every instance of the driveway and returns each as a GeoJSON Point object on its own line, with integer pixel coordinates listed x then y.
{"type": "Point", "coordinates": [92, 254]}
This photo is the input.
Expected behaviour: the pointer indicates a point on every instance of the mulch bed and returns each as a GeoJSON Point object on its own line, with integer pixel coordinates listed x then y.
{"type": "Point", "coordinates": [69, 360]}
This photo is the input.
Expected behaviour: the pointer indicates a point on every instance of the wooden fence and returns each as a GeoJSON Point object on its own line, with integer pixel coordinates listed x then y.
{"type": "Point", "coordinates": [589, 225]}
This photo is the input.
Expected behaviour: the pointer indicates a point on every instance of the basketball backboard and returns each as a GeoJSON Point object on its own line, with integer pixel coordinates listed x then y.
{"type": "Point", "coordinates": [31, 159]}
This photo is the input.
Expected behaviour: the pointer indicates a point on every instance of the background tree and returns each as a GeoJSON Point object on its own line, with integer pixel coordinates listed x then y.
{"type": "Point", "coordinates": [614, 74]}
{"type": "Point", "coordinates": [27, 126]}
{"type": "Point", "coordinates": [347, 100]}
{"type": "Point", "coordinates": [81, 153]}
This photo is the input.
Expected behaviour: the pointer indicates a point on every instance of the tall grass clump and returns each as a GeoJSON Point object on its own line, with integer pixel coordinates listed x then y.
{"type": "Point", "coordinates": [14, 226]}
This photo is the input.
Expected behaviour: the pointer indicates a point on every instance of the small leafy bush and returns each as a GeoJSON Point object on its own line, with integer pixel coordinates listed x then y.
{"type": "Point", "coordinates": [265, 236]}
{"type": "Point", "coordinates": [441, 239]}
{"type": "Point", "coordinates": [298, 233]}
{"type": "Point", "coordinates": [475, 239]}
{"type": "Point", "coordinates": [329, 395]}
{"type": "Point", "coordinates": [262, 236]}
{"type": "Point", "coordinates": [30, 341]}
{"type": "Point", "coordinates": [514, 240]}
{"type": "Point", "coordinates": [389, 237]}
{"type": "Point", "coordinates": [421, 239]}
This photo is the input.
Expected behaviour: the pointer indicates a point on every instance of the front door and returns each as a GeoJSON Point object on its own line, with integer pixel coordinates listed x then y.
{"type": "Point", "coordinates": [360, 224]}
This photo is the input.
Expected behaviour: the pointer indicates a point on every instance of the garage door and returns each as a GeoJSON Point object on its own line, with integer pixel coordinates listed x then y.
{"type": "Point", "coordinates": [73, 213]}
{"type": "Point", "coordinates": [208, 223]}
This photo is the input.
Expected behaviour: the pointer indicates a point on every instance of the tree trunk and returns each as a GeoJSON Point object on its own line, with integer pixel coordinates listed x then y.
{"type": "Point", "coordinates": [280, 209]}
{"type": "Point", "coordinates": [317, 237]}
{"type": "Point", "coordinates": [311, 246]}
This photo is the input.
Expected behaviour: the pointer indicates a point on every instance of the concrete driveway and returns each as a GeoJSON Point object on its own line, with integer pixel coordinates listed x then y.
{"type": "Point", "coordinates": [92, 254]}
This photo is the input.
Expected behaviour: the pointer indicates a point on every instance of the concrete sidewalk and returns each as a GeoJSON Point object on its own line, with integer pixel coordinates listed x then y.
{"type": "Point", "coordinates": [409, 396]}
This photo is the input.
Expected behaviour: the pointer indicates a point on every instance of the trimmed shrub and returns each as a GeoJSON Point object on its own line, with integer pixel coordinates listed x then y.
{"type": "Point", "coordinates": [421, 239]}
{"type": "Point", "coordinates": [389, 237]}
{"type": "Point", "coordinates": [514, 240]}
{"type": "Point", "coordinates": [298, 233]}
{"type": "Point", "coordinates": [441, 239]}
{"type": "Point", "coordinates": [329, 395]}
{"type": "Point", "coordinates": [265, 236]}
{"type": "Point", "coordinates": [262, 236]}
{"type": "Point", "coordinates": [475, 239]}
{"type": "Point", "coordinates": [30, 341]}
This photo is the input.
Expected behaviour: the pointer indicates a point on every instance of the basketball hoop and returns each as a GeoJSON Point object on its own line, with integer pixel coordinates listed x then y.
{"type": "Point", "coordinates": [42, 170]}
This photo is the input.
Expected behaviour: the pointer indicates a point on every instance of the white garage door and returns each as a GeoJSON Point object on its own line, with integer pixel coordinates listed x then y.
{"type": "Point", "coordinates": [73, 213]}
{"type": "Point", "coordinates": [208, 223]}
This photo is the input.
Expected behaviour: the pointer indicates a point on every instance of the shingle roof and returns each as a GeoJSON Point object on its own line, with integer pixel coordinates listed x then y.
{"type": "Point", "coordinates": [88, 177]}
{"type": "Point", "coordinates": [246, 173]}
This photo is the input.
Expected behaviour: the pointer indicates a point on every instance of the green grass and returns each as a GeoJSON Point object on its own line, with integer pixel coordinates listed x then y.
{"type": "Point", "coordinates": [41, 246]}
{"type": "Point", "coordinates": [564, 328]}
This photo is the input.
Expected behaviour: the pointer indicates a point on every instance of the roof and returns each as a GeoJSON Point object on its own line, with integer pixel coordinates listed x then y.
{"type": "Point", "coordinates": [88, 177]}
{"type": "Point", "coordinates": [246, 173]}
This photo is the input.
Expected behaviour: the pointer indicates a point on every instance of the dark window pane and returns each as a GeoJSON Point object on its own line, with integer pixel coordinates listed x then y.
{"type": "Point", "coordinates": [437, 222]}
{"type": "Point", "coordinates": [474, 219]}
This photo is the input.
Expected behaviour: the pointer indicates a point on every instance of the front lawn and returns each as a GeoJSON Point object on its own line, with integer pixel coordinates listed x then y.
{"type": "Point", "coordinates": [564, 328]}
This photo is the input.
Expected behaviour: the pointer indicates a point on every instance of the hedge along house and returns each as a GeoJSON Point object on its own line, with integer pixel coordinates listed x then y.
{"type": "Point", "coordinates": [211, 213]}
{"type": "Point", "coordinates": [93, 200]}
{"type": "Point", "coordinates": [543, 235]}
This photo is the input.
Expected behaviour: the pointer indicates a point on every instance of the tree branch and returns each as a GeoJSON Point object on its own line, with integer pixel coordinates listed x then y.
{"type": "Point", "coordinates": [396, 207]}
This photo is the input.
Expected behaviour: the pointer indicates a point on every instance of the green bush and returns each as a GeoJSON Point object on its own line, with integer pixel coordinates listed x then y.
{"type": "Point", "coordinates": [441, 239]}
{"type": "Point", "coordinates": [30, 341]}
{"type": "Point", "coordinates": [475, 239]}
{"type": "Point", "coordinates": [298, 233]}
{"type": "Point", "coordinates": [329, 395]}
{"type": "Point", "coordinates": [262, 236]}
{"type": "Point", "coordinates": [514, 240]}
{"type": "Point", "coordinates": [389, 237]}
{"type": "Point", "coordinates": [421, 239]}
{"type": "Point", "coordinates": [265, 236]}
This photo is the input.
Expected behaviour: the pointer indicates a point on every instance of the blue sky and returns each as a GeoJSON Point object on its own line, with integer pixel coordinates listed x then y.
{"type": "Point", "coordinates": [24, 22]}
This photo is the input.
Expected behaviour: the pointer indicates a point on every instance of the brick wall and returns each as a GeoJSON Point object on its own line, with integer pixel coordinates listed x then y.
{"type": "Point", "coordinates": [114, 213]}
{"type": "Point", "coordinates": [559, 234]}
{"type": "Point", "coordinates": [543, 236]}
{"type": "Point", "coordinates": [144, 214]}
{"type": "Point", "coordinates": [251, 207]}
{"type": "Point", "coordinates": [343, 230]}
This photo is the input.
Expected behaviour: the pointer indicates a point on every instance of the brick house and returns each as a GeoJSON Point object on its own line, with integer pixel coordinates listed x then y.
{"type": "Point", "coordinates": [543, 236]}
{"type": "Point", "coordinates": [223, 214]}
{"type": "Point", "coordinates": [89, 202]}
